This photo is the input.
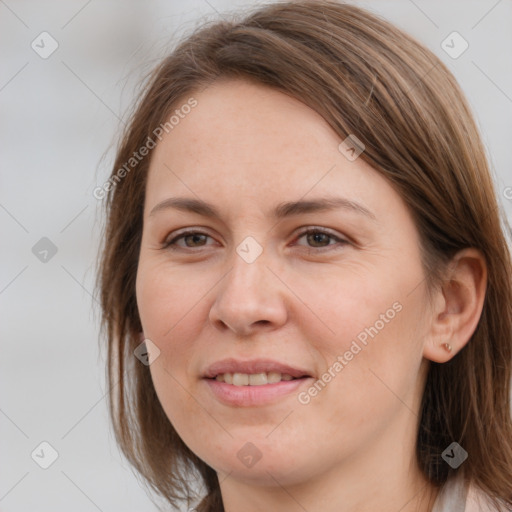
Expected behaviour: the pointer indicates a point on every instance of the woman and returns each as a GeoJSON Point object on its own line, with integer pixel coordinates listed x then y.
{"type": "Point", "coordinates": [305, 285]}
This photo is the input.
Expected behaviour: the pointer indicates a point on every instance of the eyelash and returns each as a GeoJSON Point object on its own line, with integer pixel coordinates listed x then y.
{"type": "Point", "coordinates": [171, 245]}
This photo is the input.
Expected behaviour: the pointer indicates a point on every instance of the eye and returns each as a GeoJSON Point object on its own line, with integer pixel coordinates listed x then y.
{"type": "Point", "coordinates": [194, 237]}
{"type": "Point", "coordinates": [320, 239]}
{"type": "Point", "coordinates": [320, 236]}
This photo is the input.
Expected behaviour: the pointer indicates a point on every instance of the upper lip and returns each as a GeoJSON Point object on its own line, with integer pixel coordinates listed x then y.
{"type": "Point", "coordinates": [252, 366]}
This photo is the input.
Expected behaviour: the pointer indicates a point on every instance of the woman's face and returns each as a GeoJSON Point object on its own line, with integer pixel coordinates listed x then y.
{"type": "Point", "coordinates": [344, 305]}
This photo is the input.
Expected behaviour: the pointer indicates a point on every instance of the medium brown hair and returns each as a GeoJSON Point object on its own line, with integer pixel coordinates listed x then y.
{"type": "Point", "coordinates": [364, 77]}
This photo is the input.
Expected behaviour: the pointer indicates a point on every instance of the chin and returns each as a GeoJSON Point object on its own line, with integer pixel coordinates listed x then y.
{"type": "Point", "coordinates": [261, 465]}
{"type": "Point", "coordinates": [261, 474]}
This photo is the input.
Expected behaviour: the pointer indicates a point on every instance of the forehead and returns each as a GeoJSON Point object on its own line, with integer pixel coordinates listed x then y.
{"type": "Point", "coordinates": [242, 121]}
{"type": "Point", "coordinates": [244, 140]}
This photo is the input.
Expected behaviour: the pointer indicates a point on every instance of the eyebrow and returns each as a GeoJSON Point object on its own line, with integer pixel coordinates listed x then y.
{"type": "Point", "coordinates": [281, 211]}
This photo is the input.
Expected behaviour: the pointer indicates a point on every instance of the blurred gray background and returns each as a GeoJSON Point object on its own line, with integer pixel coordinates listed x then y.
{"type": "Point", "coordinates": [61, 110]}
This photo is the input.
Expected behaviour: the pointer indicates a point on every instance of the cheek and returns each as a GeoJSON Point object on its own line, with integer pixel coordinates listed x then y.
{"type": "Point", "coordinates": [167, 313]}
{"type": "Point", "coordinates": [166, 309]}
{"type": "Point", "coordinates": [358, 309]}
{"type": "Point", "coordinates": [172, 310]}
{"type": "Point", "coordinates": [376, 348]}
{"type": "Point", "coordinates": [166, 300]}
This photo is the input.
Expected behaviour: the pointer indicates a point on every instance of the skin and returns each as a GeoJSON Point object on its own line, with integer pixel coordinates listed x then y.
{"type": "Point", "coordinates": [302, 301]}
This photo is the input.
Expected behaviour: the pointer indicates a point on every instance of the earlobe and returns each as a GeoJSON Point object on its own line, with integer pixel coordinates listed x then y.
{"type": "Point", "coordinates": [440, 353]}
{"type": "Point", "coordinates": [447, 346]}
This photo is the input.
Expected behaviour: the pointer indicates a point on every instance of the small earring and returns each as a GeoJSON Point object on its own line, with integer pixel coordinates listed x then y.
{"type": "Point", "coordinates": [447, 346]}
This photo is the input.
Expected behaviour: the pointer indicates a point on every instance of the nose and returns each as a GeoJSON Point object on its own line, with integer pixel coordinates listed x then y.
{"type": "Point", "coordinates": [249, 298]}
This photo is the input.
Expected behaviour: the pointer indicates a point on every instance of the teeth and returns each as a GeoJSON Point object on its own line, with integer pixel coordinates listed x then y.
{"type": "Point", "coordinates": [257, 379]}
{"type": "Point", "coordinates": [240, 379]}
{"type": "Point", "coordinates": [254, 379]}
{"type": "Point", "coordinates": [273, 377]}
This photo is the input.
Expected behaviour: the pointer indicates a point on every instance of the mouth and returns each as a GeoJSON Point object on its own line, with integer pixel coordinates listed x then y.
{"type": "Point", "coordinates": [255, 382]}
{"type": "Point", "coordinates": [254, 372]}
{"type": "Point", "coordinates": [255, 379]}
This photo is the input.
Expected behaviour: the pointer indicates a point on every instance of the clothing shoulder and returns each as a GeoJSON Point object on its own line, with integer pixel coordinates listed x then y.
{"type": "Point", "coordinates": [478, 501]}
{"type": "Point", "coordinates": [457, 496]}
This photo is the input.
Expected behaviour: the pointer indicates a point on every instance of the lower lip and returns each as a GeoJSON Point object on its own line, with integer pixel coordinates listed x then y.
{"type": "Point", "coordinates": [247, 396]}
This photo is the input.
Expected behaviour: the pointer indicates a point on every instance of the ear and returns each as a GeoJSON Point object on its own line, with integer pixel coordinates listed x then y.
{"type": "Point", "coordinates": [141, 336]}
{"type": "Point", "coordinates": [457, 306]}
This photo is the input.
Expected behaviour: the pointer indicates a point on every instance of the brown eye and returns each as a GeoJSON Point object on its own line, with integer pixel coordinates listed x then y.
{"type": "Point", "coordinates": [192, 239]}
{"type": "Point", "coordinates": [319, 239]}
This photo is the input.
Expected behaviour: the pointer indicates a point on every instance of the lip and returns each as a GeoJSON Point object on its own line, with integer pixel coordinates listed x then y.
{"type": "Point", "coordinates": [248, 396]}
{"type": "Point", "coordinates": [253, 366]}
